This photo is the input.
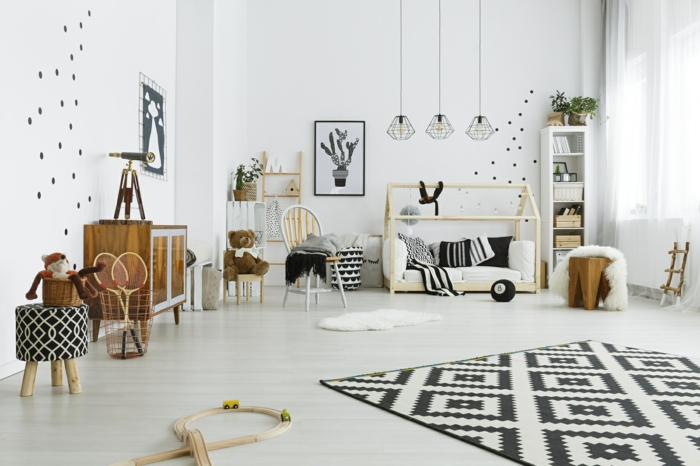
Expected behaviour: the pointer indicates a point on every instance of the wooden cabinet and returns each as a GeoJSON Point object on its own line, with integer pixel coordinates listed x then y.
{"type": "Point", "coordinates": [163, 249]}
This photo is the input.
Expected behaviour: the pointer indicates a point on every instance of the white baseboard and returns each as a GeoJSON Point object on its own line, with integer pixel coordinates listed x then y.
{"type": "Point", "coordinates": [11, 368]}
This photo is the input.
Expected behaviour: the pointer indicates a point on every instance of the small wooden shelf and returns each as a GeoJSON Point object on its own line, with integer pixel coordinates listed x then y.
{"type": "Point", "coordinates": [558, 228]}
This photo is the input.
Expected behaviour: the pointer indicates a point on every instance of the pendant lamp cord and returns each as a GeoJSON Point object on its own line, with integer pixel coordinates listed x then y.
{"type": "Point", "coordinates": [401, 55]}
{"type": "Point", "coordinates": [479, 57]}
{"type": "Point", "coordinates": [440, 57]}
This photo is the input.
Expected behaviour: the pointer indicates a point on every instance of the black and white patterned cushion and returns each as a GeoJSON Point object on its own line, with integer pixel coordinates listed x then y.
{"type": "Point", "coordinates": [349, 266]}
{"type": "Point", "coordinates": [51, 333]}
{"type": "Point", "coordinates": [416, 250]}
{"type": "Point", "coordinates": [455, 254]}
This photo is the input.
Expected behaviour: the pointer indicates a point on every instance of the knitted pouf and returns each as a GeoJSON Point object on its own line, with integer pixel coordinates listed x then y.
{"type": "Point", "coordinates": [51, 333]}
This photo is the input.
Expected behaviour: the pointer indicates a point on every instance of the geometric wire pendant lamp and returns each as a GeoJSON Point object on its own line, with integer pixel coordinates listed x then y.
{"type": "Point", "coordinates": [439, 127]}
{"type": "Point", "coordinates": [480, 129]}
{"type": "Point", "coordinates": [401, 129]}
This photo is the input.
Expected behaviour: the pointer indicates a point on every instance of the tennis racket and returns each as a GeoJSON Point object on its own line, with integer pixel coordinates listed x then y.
{"type": "Point", "coordinates": [106, 281]}
{"type": "Point", "coordinates": [129, 274]}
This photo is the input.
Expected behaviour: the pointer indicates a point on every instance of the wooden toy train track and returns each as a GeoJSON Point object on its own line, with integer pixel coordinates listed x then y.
{"type": "Point", "coordinates": [194, 441]}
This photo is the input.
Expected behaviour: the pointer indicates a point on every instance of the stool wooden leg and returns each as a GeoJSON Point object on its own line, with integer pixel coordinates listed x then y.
{"type": "Point", "coordinates": [56, 373]}
{"type": "Point", "coordinates": [72, 375]}
{"type": "Point", "coordinates": [262, 289]}
{"type": "Point", "coordinates": [95, 330]}
{"type": "Point", "coordinates": [29, 378]}
{"type": "Point", "coordinates": [248, 290]}
{"type": "Point", "coordinates": [238, 292]}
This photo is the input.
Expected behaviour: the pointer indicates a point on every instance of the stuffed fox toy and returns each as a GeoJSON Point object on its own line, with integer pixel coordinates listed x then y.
{"type": "Point", "coordinates": [57, 266]}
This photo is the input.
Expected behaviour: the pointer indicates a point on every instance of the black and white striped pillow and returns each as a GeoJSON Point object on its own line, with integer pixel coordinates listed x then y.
{"type": "Point", "coordinates": [416, 250]}
{"type": "Point", "coordinates": [455, 254]}
{"type": "Point", "coordinates": [480, 250]}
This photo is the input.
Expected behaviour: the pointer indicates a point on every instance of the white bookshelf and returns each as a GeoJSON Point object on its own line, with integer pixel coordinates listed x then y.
{"type": "Point", "coordinates": [578, 141]}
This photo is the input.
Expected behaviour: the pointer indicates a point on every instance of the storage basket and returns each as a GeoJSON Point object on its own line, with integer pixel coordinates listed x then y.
{"type": "Point", "coordinates": [60, 292]}
{"type": "Point", "coordinates": [568, 191]}
{"type": "Point", "coordinates": [251, 191]}
{"type": "Point", "coordinates": [567, 221]}
{"type": "Point", "coordinates": [567, 241]}
{"type": "Point", "coordinates": [127, 338]}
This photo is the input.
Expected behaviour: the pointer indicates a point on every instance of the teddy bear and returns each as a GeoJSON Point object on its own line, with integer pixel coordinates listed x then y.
{"type": "Point", "coordinates": [243, 259]}
{"type": "Point", "coordinates": [56, 265]}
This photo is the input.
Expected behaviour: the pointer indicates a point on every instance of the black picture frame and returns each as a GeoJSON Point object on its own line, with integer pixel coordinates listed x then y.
{"type": "Point", "coordinates": [561, 165]}
{"type": "Point", "coordinates": [329, 181]}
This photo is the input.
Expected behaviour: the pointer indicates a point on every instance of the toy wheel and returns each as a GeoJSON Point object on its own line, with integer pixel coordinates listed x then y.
{"type": "Point", "coordinates": [226, 407]}
{"type": "Point", "coordinates": [235, 406]}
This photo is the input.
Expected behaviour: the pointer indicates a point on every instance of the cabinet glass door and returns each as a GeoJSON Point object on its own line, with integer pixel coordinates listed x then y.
{"type": "Point", "coordinates": [178, 245]}
{"type": "Point", "coordinates": [159, 268]}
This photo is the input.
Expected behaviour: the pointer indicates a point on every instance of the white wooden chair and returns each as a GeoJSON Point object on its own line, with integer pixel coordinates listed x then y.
{"type": "Point", "coordinates": [296, 223]}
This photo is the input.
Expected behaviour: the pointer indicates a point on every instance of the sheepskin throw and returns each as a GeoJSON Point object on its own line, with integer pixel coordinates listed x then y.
{"type": "Point", "coordinates": [616, 273]}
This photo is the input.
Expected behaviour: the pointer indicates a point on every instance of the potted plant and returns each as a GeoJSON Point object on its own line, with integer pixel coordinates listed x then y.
{"type": "Point", "coordinates": [239, 192]}
{"type": "Point", "coordinates": [250, 178]}
{"type": "Point", "coordinates": [560, 106]}
{"type": "Point", "coordinates": [557, 170]}
{"type": "Point", "coordinates": [341, 172]}
{"type": "Point", "coordinates": [579, 107]}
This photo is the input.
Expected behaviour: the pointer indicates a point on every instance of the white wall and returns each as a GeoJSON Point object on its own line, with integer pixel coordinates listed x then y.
{"type": "Point", "coordinates": [319, 60]}
{"type": "Point", "coordinates": [119, 39]}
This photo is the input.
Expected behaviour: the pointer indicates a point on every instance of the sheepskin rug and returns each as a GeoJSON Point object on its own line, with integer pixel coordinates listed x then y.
{"type": "Point", "coordinates": [381, 319]}
{"type": "Point", "coordinates": [616, 273]}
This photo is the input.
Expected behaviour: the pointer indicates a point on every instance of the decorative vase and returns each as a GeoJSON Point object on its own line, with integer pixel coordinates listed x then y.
{"type": "Point", "coordinates": [555, 119]}
{"type": "Point", "coordinates": [239, 194]}
{"type": "Point", "coordinates": [251, 191]}
{"type": "Point", "coordinates": [340, 177]}
{"type": "Point", "coordinates": [577, 119]}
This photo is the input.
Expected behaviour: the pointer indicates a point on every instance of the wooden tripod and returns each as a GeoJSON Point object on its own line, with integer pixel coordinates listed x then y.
{"type": "Point", "coordinates": [667, 287]}
{"type": "Point", "coordinates": [126, 193]}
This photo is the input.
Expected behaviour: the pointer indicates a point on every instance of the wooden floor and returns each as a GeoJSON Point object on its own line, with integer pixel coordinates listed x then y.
{"type": "Point", "coordinates": [269, 356]}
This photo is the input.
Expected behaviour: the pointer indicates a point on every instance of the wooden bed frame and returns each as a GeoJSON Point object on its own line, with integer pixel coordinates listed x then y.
{"type": "Point", "coordinates": [391, 217]}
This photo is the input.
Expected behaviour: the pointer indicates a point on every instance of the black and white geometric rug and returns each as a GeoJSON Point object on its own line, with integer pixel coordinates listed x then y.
{"type": "Point", "coordinates": [578, 404]}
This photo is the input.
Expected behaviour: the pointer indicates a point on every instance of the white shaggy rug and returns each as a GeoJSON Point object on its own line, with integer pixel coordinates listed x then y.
{"type": "Point", "coordinates": [381, 319]}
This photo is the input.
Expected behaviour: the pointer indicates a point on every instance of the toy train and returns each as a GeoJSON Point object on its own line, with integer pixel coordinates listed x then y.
{"type": "Point", "coordinates": [234, 404]}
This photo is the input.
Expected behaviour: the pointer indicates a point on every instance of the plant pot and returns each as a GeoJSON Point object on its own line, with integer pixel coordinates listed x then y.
{"type": "Point", "coordinates": [555, 119]}
{"type": "Point", "coordinates": [340, 177]}
{"type": "Point", "coordinates": [239, 194]}
{"type": "Point", "coordinates": [251, 191]}
{"type": "Point", "coordinates": [577, 119]}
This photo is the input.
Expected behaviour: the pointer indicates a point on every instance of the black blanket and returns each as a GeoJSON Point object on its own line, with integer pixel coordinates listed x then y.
{"type": "Point", "coordinates": [301, 264]}
{"type": "Point", "coordinates": [435, 279]}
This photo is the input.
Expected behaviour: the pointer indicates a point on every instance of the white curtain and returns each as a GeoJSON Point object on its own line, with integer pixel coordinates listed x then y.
{"type": "Point", "coordinates": [652, 156]}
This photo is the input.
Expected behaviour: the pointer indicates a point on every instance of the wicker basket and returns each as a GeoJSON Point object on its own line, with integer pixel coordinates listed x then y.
{"type": "Point", "coordinates": [60, 292]}
{"type": "Point", "coordinates": [127, 339]}
{"type": "Point", "coordinates": [251, 191]}
{"type": "Point", "coordinates": [568, 191]}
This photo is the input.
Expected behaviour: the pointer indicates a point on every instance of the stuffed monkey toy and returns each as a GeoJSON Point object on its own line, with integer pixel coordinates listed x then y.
{"type": "Point", "coordinates": [57, 266]}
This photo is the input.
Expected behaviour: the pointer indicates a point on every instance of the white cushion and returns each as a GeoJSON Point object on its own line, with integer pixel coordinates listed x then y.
{"type": "Point", "coordinates": [489, 274]}
{"type": "Point", "coordinates": [414, 276]}
{"type": "Point", "coordinates": [400, 258]}
{"type": "Point", "coordinates": [201, 250]}
{"type": "Point", "coordinates": [521, 257]}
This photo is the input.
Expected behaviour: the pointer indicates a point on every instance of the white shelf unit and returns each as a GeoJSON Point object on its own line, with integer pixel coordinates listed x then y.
{"type": "Point", "coordinates": [578, 140]}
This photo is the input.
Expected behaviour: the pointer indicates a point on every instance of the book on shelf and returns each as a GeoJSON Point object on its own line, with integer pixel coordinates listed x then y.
{"type": "Point", "coordinates": [562, 210]}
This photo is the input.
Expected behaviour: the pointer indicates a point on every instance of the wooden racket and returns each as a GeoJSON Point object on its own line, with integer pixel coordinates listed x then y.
{"type": "Point", "coordinates": [129, 274]}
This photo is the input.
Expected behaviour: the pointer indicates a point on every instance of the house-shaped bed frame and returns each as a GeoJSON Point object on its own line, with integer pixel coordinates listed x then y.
{"type": "Point", "coordinates": [391, 216]}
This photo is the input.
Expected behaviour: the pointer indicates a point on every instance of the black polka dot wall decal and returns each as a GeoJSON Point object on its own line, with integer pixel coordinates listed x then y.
{"type": "Point", "coordinates": [41, 75]}
{"type": "Point", "coordinates": [29, 120]}
{"type": "Point", "coordinates": [514, 138]}
{"type": "Point", "coordinates": [493, 163]}
{"type": "Point", "coordinates": [76, 102]}
{"type": "Point", "coordinates": [56, 71]}
{"type": "Point", "coordinates": [476, 173]}
{"type": "Point", "coordinates": [520, 114]}
{"type": "Point", "coordinates": [527, 221]}
{"type": "Point", "coordinates": [71, 57]}
{"type": "Point", "coordinates": [89, 14]}
{"type": "Point", "coordinates": [531, 92]}
{"type": "Point", "coordinates": [534, 161]}
{"type": "Point", "coordinates": [508, 149]}
{"type": "Point", "coordinates": [61, 103]}
{"type": "Point", "coordinates": [525, 100]}
{"type": "Point", "coordinates": [74, 77]}
{"type": "Point", "coordinates": [53, 180]}
{"type": "Point", "coordinates": [81, 47]}
{"type": "Point", "coordinates": [74, 265]}
{"type": "Point", "coordinates": [38, 195]}
{"type": "Point", "coordinates": [494, 177]}
{"type": "Point", "coordinates": [70, 126]}
{"type": "Point", "coordinates": [73, 175]}
{"type": "Point", "coordinates": [65, 232]}
{"type": "Point", "coordinates": [523, 178]}
{"type": "Point", "coordinates": [520, 195]}
{"type": "Point", "coordinates": [515, 164]}
{"type": "Point", "coordinates": [65, 29]}
{"type": "Point", "coordinates": [89, 198]}
{"type": "Point", "coordinates": [509, 122]}
{"type": "Point", "coordinates": [41, 155]}
{"type": "Point", "coordinates": [496, 129]}
{"type": "Point", "coordinates": [39, 110]}
{"type": "Point", "coordinates": [60, 146]}
{"type": "Point", "coordinates": [81, 25]}
{"type": "Point", "coordinates": [521, 129]}
{"type": "Point", "coordinates": [80, 152]}
{"type": "Point", "coordinates": [78, 205]}
{"type": "Point", "coordinates": [520, 147]}
{"type": "Point", "coordinates": [509, 182]}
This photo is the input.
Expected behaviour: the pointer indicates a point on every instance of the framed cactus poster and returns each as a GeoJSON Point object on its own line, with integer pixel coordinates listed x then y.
{"type": "Point", "coordinates": [339, 158]}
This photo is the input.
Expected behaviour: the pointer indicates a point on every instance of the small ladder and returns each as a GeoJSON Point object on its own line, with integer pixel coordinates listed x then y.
{"type": "Point", "coordinates": [667, 287]}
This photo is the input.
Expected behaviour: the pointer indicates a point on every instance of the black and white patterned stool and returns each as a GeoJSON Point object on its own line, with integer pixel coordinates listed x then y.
{"type": "Point", "coordinates": [51, 333]}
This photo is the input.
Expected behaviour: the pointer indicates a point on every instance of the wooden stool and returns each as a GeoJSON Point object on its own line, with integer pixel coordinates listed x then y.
{"type": "Point", "coordinates": [249, 279]}
{"type": "Point", "coordinates": [56, 334]}
{"type": "Point", "coordinates": [587, 281]}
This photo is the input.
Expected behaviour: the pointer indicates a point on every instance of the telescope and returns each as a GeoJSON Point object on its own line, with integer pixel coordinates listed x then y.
{"type": "Point", "coordinates": [126, 191]}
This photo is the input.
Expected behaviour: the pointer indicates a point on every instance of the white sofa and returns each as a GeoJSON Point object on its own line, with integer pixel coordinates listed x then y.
{"type": "Point", "coordinates": [521, 270]}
